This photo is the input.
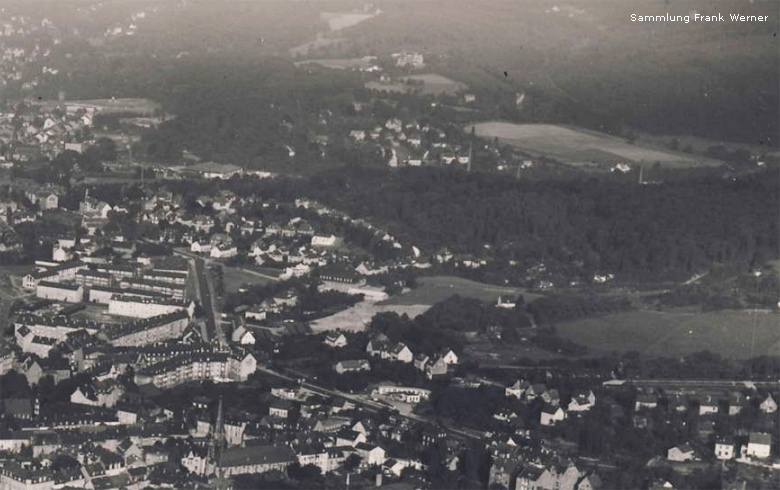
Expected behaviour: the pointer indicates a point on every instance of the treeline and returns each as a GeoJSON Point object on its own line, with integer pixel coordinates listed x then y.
{"type": "Point", "coordinates": [658, 231]}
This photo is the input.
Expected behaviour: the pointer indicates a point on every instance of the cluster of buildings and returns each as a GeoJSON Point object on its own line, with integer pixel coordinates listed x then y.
{"type": "Point", "coordinates": [45, 131]}
{"type": "Point", "coordinates": [437, 365]}
{"type": "Point", "coordinates": [412, 144]}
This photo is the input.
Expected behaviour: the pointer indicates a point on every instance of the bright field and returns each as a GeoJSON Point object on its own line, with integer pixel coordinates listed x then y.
{"type": "Point", "coordinates": [580, 147]}
{"type": "Point", "coordinates": [432, 290]}
{"type": "Point", "coordinates": [673, 334]}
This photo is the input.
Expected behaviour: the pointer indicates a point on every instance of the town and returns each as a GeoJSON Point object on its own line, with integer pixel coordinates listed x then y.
{"type": "Point", "coordinates": [297, 258]}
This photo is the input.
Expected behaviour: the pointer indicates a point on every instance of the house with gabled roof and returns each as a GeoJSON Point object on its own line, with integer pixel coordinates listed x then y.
{"type": "Point", "coordinates": [759, 445]}
{"type": "Point", "coordinates": [551, 415]}
{"type": "Point", "coordinates": [682, 453]}
{"type": "Point", "coordinates": [768, 405]}
{"type": "Point", "coordinates": [350, 366]}
{"type": "Point", "coordinates": [582, 401]}
{"type": "Point", "coordinates": [336, 340]}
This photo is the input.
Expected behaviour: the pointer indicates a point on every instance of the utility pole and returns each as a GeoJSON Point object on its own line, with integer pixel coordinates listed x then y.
{"type": "Point", "coordinates": [471, 149]}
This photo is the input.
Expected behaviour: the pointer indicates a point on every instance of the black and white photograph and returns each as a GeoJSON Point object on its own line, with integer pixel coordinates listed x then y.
{"type": "Point", "coordinates": [389, 244]}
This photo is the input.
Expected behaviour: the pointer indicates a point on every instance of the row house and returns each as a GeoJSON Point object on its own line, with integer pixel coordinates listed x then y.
{"type": "Point", "coordinates": [57, 327]}
{"type": "Point", "coordinates": [145, 307]}
{"type": "Point", "coordinates": [147, 330]}
{"type": "Point", "coordinates": [60, 273]}
{"type": "Point", "coordinates": [160, 287]}
{"type": "Point", "coordinates": [217, 366]}
{"type": "Point", "coordinates": [66, 293]}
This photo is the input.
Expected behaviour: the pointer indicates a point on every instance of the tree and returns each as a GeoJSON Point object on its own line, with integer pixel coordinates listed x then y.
{"type": "Point", "coordinates": [308, 472]}
{"type": "Point", "coordinates": [352, 462]}
{"type": "Point", "coordinates": [104, 150]}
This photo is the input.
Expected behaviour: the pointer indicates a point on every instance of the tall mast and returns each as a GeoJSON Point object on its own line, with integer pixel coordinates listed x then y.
{"type": "Point", "coordinates": [217, 440]}
{"type": "Point", "coordinates": [471, 149]}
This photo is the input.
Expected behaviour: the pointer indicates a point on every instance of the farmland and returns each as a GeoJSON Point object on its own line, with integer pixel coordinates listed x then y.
{"type": "Point", "coordinates": [437, 288]}
{"type": "Point", "coordinates": [579, 147]}
{"type": "Point", "coordinates": [674, 333]}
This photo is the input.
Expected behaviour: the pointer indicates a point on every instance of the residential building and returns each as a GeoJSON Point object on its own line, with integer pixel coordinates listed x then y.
{"type": "Point", "coordinates": [759, 445]}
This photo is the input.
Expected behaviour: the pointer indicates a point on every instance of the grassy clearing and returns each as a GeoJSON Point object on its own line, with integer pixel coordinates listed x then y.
{"type": "Point", "coordinates": [577, 146]}
{"type": "Point", "coordinates": [234, 278]}
{"type": "Point", "coordinates": [437, 288]}
{"type": "Point", "coordinates": [356, 319]}
{"type": "Point", "coordinates": [731, 333]}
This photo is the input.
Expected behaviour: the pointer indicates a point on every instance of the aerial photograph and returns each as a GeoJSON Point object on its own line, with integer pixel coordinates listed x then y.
{"type": "Point", "coordinates": [389, 244]}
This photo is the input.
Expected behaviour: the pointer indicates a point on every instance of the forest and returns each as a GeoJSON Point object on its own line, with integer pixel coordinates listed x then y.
{"type": "Point", "coordinates": [641, 232]}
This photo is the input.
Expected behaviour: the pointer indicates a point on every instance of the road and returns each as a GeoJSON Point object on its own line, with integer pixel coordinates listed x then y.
{"type": "Point", "coordinates": [695, 383]}
{"type": "Point", "coordinates": [361, 400]}
{"type": "Point", "coordinates": [208, 261]}
{"type": "Point", "coordinates": [207, 299]}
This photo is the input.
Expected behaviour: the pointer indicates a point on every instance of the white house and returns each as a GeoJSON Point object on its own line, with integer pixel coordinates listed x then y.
{"type": "Point", "coordinates": [372, 455]}
{"type": "Point", "coordinates": [200, 247]}
{"type": "Point", "coordinates": [59, 254]}
{"type": "Point", "coordinates": [449, 357]}
{"type": "Point", "coordinates": [518, 389]}
{"type": "Point", "coordinates": [552, 415]}
{"type": "Point", "coordinates": [242, 336]}
{"type": "Point", "coordinates": [581, 402]}
{"type": "Point", "coordinates": [681, 453]}
{"type": "Point", "coordinates": [342, 367]}
{"type": "Point", "coordinates": [323, 240]}
{"type": "Point", "coordinates": [759, 445]}
{"type": "Point", "coordinates": [223, 251]}
{"type": "Point", "coordinates": [768, 405]}
{"type": "Point", "coordinates": [724, 449]}
{"type": "Point", "coordinates": [336, 340]}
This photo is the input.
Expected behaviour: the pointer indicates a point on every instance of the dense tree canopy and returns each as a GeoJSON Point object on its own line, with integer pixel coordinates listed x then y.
{"type": "Point", "coordinates": [675, 228]}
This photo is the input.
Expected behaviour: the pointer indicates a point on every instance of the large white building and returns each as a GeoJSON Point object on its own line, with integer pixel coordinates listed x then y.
{"type": "Point", "coordinates": [56, 327]}
{"type": "Point", "coordinates": [146, 331]}
{"type": "Point", "coordinates": [67, 293]}
{"type": "Point", "coordinates": [146, 307]}
{"type": "Point", "coordinates": [218, 366]}
{"type": "Point", "coordinates": [62, 272]}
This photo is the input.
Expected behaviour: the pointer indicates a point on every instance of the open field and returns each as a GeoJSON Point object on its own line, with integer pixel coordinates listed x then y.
{"type": "Point", "coordinates": [235, 277]}
{"type": "Point", "coordinates": [730, 333]}
{"type": "Point", "coordinates": [504, 354]}
{"type": "Point", "coordinates": [319, 42]}
{"type": "Point", "coordinates": [580, 147]}
{"type": "Point", "coordinates": [341, 20]}
{"type": "Point", "coordinates": [437, 288]}
{"type": "Point", "coordinates": [699, 144]}
{"type": "Point", "coordinates": [341, 64]}
{"type": "Point", "coordinates": [356, 318]}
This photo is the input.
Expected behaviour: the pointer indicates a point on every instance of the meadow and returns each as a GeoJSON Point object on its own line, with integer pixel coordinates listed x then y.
{"type": "Point", "coordinates": [432, 290]}
{"type": "Point", "coordinates": [580, 147]}
{"type": "Point", "coordinates": [739, 334]}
